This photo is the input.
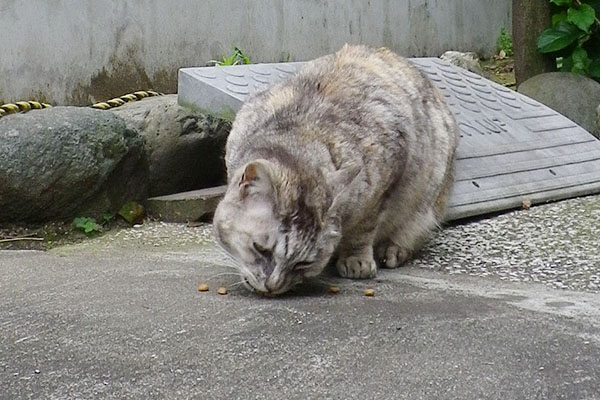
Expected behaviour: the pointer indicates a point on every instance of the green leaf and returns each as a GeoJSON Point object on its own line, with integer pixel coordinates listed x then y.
{"type": "Point", "coordinates": [594, 68]}
{"type": "Point", "coordinates": [595, 4]}
{"type": "Point", "coordinates": [87, 225]}
{"type": "Point", "coordinates": [106, 218]}
{"type": "Point", "coordinates": [558, 37]}
{"type": "Point", "coordinates": [562, 2]}
{"type": "Point", "coordinates": [581, 61]}
{"type": "Point", "coordinates": [559, 17]}
{"type": "Point", "coordinates": [239, 54]}
{"type": "Point", "coordinates": [79, 222]}
{"type": "Point", "coordinates": [91, 227]}
{"type": "Point", "coordinates": [582, 16]}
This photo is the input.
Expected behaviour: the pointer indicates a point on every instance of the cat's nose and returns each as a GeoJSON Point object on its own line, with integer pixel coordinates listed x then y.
{"type": "Point", "coordinates": [274, 283]}
{"type": "Point", "coordinates": [270, 286]}
{"type": "Point", "coordinates": [261, 287]}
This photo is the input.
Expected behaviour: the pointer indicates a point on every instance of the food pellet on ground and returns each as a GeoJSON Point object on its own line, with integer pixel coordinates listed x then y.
{"type": "Point", "coordinates": [222, 290]}
{"type": "Point", "coordinates": [369, 292]}
{"type": "Point", "coordinates": [203, 287]}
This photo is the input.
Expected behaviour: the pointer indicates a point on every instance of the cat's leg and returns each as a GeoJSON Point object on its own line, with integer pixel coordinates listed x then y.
{"type": "Point", "coordinates": [355, 252]}
{"type": "Point", "coordinates": [405, 239]}
{"type": "Point", "coordinates": [405, 226]}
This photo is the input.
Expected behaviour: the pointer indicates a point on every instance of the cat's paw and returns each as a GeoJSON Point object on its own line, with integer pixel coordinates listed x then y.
{"type": "Point", "coordinates": [357, 267]}
{"type": "Point", "coordinates": [394, 256]}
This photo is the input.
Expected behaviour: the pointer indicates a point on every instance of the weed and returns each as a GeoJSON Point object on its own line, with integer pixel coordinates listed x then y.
{"type": "Point", "coordinates": [107, 218]}
{"type": "Point", "coordinates": [238, 57]}
{"type": "Point", "coordinates": [504, 42]}
{"type": "Point", "coordinates": [87, 225]}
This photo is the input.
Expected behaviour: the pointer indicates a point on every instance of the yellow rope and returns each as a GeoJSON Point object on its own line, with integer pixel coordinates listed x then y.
{"type": "Point", "coordinates": [21, 106]}
{"type": "Point", "coordinates": [24, 106]}
{"type": "Point", "coordinates": [119, 101]}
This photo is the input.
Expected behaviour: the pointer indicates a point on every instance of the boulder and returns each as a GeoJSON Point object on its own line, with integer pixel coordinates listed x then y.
{"type": "Point", "coordinates": [468, 61]}
{"type": "Point", "coordinates": [575, 96]}
{"type": "Point", "coordinates": [63, 162]}
{"type": "Point", "coordinates": [185, 148]}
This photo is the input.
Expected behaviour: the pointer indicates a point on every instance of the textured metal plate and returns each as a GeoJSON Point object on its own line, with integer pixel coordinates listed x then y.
{"type": "Point", "coordinates": [511, 147]}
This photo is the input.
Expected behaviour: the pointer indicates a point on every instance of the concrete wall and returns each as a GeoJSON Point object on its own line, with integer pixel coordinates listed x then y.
{"type": "Point", "coordinates": [80, 51]}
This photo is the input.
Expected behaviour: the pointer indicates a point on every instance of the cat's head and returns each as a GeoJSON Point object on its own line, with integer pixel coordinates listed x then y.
{"type": "Point", "coordinates": [279, 231]}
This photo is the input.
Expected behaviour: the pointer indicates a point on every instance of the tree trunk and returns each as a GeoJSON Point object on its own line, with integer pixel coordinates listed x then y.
{"type": "Point", "coordinates": [530, 19]}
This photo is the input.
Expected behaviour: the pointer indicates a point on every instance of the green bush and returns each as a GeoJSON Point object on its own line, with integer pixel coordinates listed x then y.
{"type": "Point", "coordinates": [574, 38]}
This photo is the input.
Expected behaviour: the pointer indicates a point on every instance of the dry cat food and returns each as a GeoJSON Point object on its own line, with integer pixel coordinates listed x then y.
{"type": "Point", "coordinates": [222, 290]}
{"type": "Point", "coordinates": [203, 287]}
{"type": "Point", "coordinates": [334, 289]}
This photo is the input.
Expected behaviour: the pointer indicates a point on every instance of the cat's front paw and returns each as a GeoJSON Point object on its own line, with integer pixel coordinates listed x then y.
{"type": "Point", "coordinates": [357, 267]}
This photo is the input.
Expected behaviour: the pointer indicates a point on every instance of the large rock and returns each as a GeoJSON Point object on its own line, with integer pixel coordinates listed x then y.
{"type": "Point", "coordinates": [575, 96]}
{"type": "Point", "coordinates": [185, 148]}
{"type": "Point", "coordinates": [67, 161]}
{"type": "Point", "coordinates": [468, 61]}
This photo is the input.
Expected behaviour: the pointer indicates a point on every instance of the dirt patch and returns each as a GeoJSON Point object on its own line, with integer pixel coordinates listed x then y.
{"type": "Point", "coordinates": [501, 71]}
{"type": "Point", "coordinates": [47, 236]}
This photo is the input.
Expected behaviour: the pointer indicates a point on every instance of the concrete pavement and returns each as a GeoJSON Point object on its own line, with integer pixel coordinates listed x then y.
{"type": "Point", "coordinates": [120, 317]}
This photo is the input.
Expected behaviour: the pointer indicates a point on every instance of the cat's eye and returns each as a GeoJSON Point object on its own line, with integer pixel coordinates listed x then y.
{"type": "Point", "coordinates": [302, 265]}
{"type": "Point", "coordinates": [261, 250]}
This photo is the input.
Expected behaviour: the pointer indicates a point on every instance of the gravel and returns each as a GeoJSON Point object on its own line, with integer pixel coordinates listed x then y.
{"type": "Point", "coordinates": [555, 244]}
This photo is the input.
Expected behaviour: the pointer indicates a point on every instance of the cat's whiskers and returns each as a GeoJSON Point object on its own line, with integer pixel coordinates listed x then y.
{"type": "Point", "coordinates": [231, 258]}
{"type": "Point", "coordinates": [236, 284]}
{"type": "Point", "coordinates": [225, 274]}
{"type": "Point", "coordinates": [235, 267]}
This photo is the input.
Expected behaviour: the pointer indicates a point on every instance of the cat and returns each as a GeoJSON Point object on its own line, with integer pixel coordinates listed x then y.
{"type": "Point", "coordinates": [351, 159]}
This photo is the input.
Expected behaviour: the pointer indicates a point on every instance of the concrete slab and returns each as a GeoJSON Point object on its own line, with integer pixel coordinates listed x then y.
{"type": "Point", "coordinates": [120, 317]}
{"type": "Point", "coordinates": [185, 206]}
{"type": "Point", "coordinates": [511, 149]}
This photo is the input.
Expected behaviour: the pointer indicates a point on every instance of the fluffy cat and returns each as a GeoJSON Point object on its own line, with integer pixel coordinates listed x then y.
{"type": "Point", "coordinates": [350, 159]}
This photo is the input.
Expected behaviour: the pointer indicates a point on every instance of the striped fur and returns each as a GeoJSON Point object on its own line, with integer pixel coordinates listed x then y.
{"type": "Point", "coordinates": [349, 160]}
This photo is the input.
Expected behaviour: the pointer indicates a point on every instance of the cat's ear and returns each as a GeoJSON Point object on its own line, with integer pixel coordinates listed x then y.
{"type": "Point", "coordinates": [256, 179]}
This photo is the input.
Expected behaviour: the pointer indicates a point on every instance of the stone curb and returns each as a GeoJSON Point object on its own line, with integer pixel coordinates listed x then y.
{"type": "Point", "coordinates": [185, 206]}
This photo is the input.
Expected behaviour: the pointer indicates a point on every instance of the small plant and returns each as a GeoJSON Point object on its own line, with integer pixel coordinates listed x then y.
{"type": "Point", "coordinates": [238, 57]}
{"type": "Point", "coordinates": [504, 43]}
{"type": "Point", "coordinates": [574, 38]}
{"type": "Point", "coordinates": [107, 218]}
{"type": "Point", "coordinates": [87, 225]}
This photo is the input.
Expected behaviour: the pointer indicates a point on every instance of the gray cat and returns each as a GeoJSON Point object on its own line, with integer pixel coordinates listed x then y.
{"type": "Point", "coordinates": [349, 159]}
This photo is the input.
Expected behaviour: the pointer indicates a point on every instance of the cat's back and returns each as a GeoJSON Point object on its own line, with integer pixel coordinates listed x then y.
{"type": "Point", "coordinates": [358, 101]}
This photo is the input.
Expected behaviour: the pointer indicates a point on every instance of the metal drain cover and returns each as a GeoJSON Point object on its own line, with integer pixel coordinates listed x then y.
{"type": "Point", "coordinates": [511, 147]}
